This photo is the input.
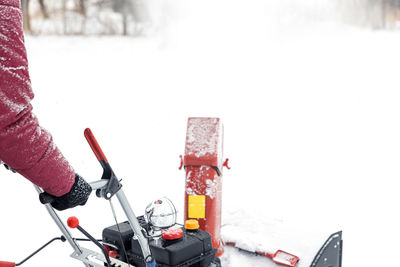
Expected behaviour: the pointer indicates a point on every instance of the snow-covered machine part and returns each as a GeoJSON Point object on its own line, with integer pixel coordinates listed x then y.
{"type": "Point", "coordinates": [283, 258]}
{"type": "Point", "coordinates": [203, 165]}
{"type": "Point", "coordinates": [199, 241]}
{"type": "Point", "coordinates": [330, 254]}
{"type": "Point", "coordinates": [279, 257]}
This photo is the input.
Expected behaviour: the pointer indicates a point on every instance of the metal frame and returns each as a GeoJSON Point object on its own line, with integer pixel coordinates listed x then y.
{"type": "Point", "coordinates": [86, 255]}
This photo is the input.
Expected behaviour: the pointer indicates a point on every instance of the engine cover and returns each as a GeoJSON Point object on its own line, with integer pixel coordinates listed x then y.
{"type": "Point", "coordinates": [193, 249]}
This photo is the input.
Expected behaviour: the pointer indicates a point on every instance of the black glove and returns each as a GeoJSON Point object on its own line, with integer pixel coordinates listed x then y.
{"type": "Point", "coordinates": [78, 195]}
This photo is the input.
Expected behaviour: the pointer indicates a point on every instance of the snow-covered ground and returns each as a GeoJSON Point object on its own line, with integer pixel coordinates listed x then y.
{"type": "Point", "coordinates": [311, 113]}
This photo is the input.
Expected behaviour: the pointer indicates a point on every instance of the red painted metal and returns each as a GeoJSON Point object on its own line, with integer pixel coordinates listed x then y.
{"type": "Point", "coordinates": [284, 258]}
{"type": "Point", "coordinates": [181, 164]}
{"type": "Point", "coordinates": [226, 164]}
{"type": "Point", "coordinates": [113, 253]}
{"type": "Point", "coordinates": [279, 257]}
{"type": "Point", "coordinates": [203, 165]}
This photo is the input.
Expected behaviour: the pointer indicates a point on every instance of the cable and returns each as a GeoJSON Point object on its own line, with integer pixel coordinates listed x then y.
{"type": "Point", "coordinates": [119, 231]}
{"type": "Point", "coordinates": [86, 239]}
{"type": "Point", "coordinates": [99, 240]}
{"type": "Point", "coordinates": [97, 243]}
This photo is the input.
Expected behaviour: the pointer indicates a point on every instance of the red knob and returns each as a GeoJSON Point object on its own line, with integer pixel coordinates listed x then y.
{"type": "Point", "coordinates": [73, 222]}
{"type": "Point", "coordinates": [172, 234]}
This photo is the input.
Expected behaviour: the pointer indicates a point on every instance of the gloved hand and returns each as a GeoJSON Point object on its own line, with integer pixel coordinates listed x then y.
{"type": "Point", "coordinates": [78, 195]}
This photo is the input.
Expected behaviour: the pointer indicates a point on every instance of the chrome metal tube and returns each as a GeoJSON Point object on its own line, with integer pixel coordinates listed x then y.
{"type": "Point", "coordinates": [137, 229]}
{"type": "Point", "coordinates": [62, 227]}
{"type": "Point", "coordinates": [98, 184]}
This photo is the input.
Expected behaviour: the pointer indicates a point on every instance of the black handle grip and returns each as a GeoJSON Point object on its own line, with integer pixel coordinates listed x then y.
{"type": "Point", "coordinates": [46, 198]}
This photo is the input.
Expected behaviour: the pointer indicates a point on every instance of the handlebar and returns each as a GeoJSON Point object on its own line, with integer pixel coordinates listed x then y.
{"type": "Point", "coordinates": [94, 145]}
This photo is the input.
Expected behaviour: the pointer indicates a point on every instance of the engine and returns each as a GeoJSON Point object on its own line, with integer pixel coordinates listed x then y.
{"type": "Point", "coordinates": [176, 247]}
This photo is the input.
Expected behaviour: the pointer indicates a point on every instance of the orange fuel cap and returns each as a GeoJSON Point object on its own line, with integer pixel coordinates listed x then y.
{"type": "Point", "coordinates": [192, 225]}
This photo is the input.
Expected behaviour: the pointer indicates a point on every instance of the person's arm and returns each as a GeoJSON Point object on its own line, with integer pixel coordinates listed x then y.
{"type": "Point", "coordinates": [24, 145]}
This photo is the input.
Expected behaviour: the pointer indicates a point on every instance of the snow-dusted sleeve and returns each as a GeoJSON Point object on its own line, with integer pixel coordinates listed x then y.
{"type": "Point", "coordinates": [24, 144]}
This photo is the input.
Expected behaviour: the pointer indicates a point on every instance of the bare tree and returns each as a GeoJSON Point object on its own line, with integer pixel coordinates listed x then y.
{"type": "Point", "coordinates": [26, 15]}
{"type": "Point", "coordinates": [383, 4]}
{"type": "Point", "coordinates": [43, 9]}
{"type": "Point", "coordinates": [64, 15]}
{"type": "Point", "coordinates": [124, 8]}
{"type": "Point", "coordinates": [70, 14]}
{"type": "Point", "coordinates": [82, 7]}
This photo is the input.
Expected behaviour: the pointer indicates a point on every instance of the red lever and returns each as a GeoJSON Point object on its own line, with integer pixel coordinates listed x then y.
{"type": "Point", "coordinates": [7, 264]}
{"type": "Point", "coordinates": [226, 164]}
{"type": "Point", "coordinates": [95, 146]}
{"type": "Point", "coordinates": [72, 222]}
{"type": "Point", "coordinates": [181, 165]}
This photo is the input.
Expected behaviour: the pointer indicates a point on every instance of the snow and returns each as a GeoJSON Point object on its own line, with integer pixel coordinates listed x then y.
{"type": "Point", "coordinates": [285, 258]}
{"type": "Point", "coordinates": [310, 110]}
{"type": "Point", "coordinates": [269, 234]}
{"type": "Point", "coordinates": [210, 187]}
{"type": "Point", "coordinates": [202, 137]}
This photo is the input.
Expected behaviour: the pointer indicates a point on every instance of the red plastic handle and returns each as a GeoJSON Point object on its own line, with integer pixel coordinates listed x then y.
{"type": "Point", "coordinates": [95, 146]}
{"type": "Point", "coordinates": [7, 264]}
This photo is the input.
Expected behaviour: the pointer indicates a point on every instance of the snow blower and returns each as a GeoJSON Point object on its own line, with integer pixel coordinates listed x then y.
{"type": "Point", "coordinates": [145, 241]}
{"type": "Point", "coordinates": [203, 163]}
{"type": "Point", "coordinates": [155, 239]}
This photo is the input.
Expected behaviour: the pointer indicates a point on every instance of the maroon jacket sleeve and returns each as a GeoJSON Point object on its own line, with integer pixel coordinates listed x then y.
{"type": "Point", "coordinates": [24, 144]}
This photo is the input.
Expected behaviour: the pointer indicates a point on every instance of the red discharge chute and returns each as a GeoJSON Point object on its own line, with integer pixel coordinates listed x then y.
{"type": "Point", "coordinates": [203, 164]}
